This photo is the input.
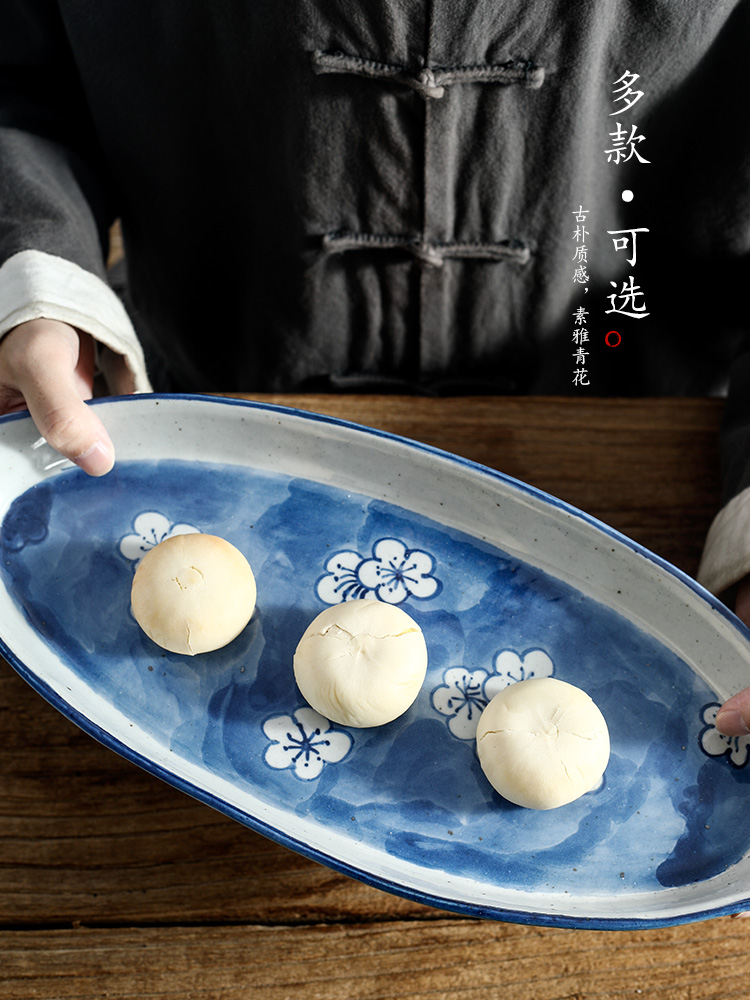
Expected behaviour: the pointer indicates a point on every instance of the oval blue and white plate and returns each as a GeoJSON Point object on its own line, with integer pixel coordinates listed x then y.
{"type": "Point", "coordinates": [506, 583]}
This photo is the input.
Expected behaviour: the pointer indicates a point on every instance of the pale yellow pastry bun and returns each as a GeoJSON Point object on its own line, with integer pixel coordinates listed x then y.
{"type": "Point", "coordinates": [542, 743]}
{"type": "Point", "coordinates": [361, 663]}
{"type": "Point", "coordinates": [193, 593]}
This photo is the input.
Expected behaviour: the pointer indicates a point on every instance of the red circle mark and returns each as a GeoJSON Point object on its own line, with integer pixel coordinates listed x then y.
{"type": "Point", "coordinates": [613, 333]}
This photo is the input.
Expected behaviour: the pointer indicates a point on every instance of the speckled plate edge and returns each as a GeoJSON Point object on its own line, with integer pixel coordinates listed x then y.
{"type": "Point", "coordinates": [524, 916]}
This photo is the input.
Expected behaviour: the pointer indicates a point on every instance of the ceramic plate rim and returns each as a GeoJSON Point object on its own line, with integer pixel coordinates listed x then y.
{"type": "Point", "coordinates": [257, 824]}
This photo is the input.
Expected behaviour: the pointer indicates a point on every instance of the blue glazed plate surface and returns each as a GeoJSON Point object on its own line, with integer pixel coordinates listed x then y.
{"type": "Point", "coordinates": [505, 582]}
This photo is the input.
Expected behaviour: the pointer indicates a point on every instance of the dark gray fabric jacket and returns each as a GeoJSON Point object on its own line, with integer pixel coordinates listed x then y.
{"type": "Point", "coordinates": [322, 193]}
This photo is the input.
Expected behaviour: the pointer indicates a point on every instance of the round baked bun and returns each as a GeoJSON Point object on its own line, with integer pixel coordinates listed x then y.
{"type": "Point", "coordinates": [193, 593]}
{"type": "Point", "coordinates": [542, 743]}
{"type": "Point", "coordinates": [361, 663]}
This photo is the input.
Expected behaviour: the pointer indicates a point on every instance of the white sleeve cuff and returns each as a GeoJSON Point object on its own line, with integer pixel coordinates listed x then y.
{"type": "Point", "coordinates": [36, 285]}
{"type": "Point", "coordinates": [726, 554]}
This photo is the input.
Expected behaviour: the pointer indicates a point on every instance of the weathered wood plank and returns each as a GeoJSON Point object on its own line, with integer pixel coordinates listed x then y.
{"type": "Point", "coordinates": [440, 960]}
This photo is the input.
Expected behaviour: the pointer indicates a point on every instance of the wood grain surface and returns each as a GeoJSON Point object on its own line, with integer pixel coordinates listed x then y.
{"type": "Point", "coordinates": [113, 884]}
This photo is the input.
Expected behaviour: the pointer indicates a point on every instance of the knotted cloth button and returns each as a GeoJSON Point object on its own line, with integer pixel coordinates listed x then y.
{"type": "Point", "coordinates": [431, 82]}
{"type": "Point", "coordinates": [428, 85]}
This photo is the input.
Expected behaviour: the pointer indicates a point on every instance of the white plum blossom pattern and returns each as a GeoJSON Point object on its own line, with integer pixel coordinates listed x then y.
{"type": "Point", "coordinates": [464, 693]}
{"type": "Point", "coordinates": [305, 742]}
{"type": "Point", "coordinates": [395, 572]}
{"type": "Point", "coordinates": [150, 528]}
{"type": "Point", "coordinates": [391, 574]}
{"type": "Point", "coordinates": [462, 698]}
{"type": "Point", "coordinates": [510, 668]}
{"type": "Point", "coordinates": [716, 744]}
{"type": "Point", "coordinates": [341, 582]}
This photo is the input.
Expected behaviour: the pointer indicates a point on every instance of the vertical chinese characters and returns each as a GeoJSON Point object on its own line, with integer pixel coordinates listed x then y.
{"type": "Point", "coordinates": [580, 277]}
{"type": "Point", "coordinates": [629, 301]}
{"type": "Point", "coordinates": [580, 337]}
{"type": "Point", "coordinates": [624, 144]}
{"type": "Point", "coordinates": [581, 255]}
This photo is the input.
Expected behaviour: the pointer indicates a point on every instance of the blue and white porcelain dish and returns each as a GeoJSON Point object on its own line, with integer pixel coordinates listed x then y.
{"type": "Point", "coordinates": [505, 582]}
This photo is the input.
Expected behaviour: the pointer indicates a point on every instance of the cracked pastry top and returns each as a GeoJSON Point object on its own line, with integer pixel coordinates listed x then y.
{"type": "Point", "coordinates": [193, 593]}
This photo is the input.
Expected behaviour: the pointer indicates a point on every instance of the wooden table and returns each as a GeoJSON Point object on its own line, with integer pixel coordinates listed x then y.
{"type": "Point", "coordinates": [116, 885]}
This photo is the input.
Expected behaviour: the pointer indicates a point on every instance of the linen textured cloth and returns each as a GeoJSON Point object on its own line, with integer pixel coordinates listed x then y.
{"type": "Point", "coordinates": [318, 194]}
